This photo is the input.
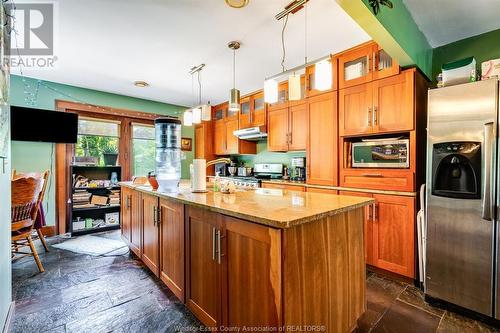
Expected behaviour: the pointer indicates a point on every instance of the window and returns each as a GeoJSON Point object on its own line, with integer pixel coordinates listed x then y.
{"type": "Point", "coordinates": [143, 149]}
{"type": "Point", "coordinates": [97, 138]}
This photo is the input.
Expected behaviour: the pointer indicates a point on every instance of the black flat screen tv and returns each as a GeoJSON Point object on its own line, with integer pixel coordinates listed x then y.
{"type": "Point", "coordinates": [29, 124]}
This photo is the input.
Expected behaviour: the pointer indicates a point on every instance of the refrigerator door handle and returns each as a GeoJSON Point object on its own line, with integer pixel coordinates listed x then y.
{"type": "Point", "coordinates": [487, 212]}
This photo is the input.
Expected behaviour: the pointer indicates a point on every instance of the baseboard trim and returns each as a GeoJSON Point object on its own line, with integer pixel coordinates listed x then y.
{"type": "Point", "coordinates": [8, 321]}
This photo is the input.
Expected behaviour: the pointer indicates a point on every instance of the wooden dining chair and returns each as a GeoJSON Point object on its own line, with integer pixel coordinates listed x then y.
{"type": "Point", "coordinates": [25, 194]}
{"type": "Point", "coordinates": [45, 175]}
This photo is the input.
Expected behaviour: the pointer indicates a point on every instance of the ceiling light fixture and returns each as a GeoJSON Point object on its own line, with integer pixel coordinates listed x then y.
{"type": "Point", "coordinates": [234, 96]}
{"type": "Point", "coordinates": [141, 84]}
{"type": "Point", "coordinates": [199, 112]}
{"type": "Point", "coordinates": [237, 3]}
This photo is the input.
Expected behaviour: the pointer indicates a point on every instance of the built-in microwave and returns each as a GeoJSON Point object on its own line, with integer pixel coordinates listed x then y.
{"type": "Point", "coordinates": [383, 153]}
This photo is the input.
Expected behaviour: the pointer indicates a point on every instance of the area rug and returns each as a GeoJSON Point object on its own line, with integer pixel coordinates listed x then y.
{"type": "Point", "coordinates": [94, 246]}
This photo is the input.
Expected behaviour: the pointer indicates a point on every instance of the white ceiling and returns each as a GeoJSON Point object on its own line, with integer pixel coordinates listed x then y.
{"type": "Point", "coordinates": [446, 21]}
{"type": "Point", "coordinates": [108, 44]}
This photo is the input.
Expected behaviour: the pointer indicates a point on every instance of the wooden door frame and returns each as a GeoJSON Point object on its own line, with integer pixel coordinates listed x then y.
{"type": "Point", "coordinates": [64, 152]}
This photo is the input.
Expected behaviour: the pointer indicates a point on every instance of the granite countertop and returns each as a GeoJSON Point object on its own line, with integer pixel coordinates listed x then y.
{"type": "Point", "coordinates": [271, 207]}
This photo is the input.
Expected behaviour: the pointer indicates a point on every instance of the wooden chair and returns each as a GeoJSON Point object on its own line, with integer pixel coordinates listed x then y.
{"type": "Point", "coordinates": [25, 194]}
{"type": "Point", "coordinates": [45, 176]}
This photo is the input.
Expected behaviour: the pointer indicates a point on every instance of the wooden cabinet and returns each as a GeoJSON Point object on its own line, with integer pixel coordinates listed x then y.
{"type": "Point", "coordinates": [125, 213]}
{"type": "Point", "coordinates": [284, 186]}
{"type": "Point", "coordinates": [298, 127]}
{"type": "Point", "coordinates": [367, 225]}
{"type": "Point", "coordinates": [225, 254]}
{"type": "Point", "coordinates": [204, 143]}
{"type": "Point", "coordinates": [172, 246]}
{"type": "Point", "coordinates": [203, 283]}
{"type": "Point", "coordinates": [393, 103]}
{"type": "Point", "coordinates": [393, 234]}
{"type": "Point", "coordinates": [253, 111]}
{"type": "Point", "coordinates": [311, 79]}
{"type": "Point", "coordinates": [220, 137]}
{"type": "Point", "coordinates": [355, 110]}
{"type": "Point", "coordinates": [378, 107]}
{"type": "Point", "coordinates": [131, 219]}
{"type": "Point", "coordinates": [321, 190]}
{"type": "Point", "coordinates": [287, 127]}
{"type": "Point", "coordinates": [225, 143]}
{"type": "Point", "coordinates": [322, 152]}
{"type": "Point", "coordinates": [277, 136]}
{"type": "Point", "coordinates": [150, 233]}
{"type": "Point", "coordinates": [389, 232]}
{"type": "Point", "coordinates": [365, 63]}
{"type": "Point", "coordinates": [251, 265]}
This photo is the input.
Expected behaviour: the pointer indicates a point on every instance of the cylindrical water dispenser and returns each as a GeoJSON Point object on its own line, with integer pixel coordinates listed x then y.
{"type": "Point", "coordinates": [168, 153]}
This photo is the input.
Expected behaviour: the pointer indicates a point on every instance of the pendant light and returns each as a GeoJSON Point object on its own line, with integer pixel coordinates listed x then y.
{"type": "Point", "coordinates": [188, 118]}
{"type": "Point", "coordinates": [234, 96]}
{"type": "Point", "coordinates": [271, 91]}
{"type": "Point", "coordinates": [294, 88]}
{"type": "Point", "coordinates": [323, 75]}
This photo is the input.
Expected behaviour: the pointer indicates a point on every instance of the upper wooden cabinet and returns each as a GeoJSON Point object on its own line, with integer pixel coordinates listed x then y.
{"type": "Point", "coordinates": [363, 64]}
{"type": "Point", "coordinates": [150, 233]}
{"type": "Point", "coordinates": [224, 141]}
{"type": "Point", "coordinates": [287, 127]}
{"type": "Point", "coordinates": [381, 106]}
{"type": "Point", "coordinates": [253, 111]}
{"type": "Point", "coordinates": [322, 151]}
{"type": "Point", "coordinates": [311, 82]}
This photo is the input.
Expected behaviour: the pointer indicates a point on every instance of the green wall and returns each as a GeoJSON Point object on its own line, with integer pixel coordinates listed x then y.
{"type": "Point", "coordinates": [264, 156]}
{"type": "Point", "coordinates": [483, 47]}
{"type": "Point", "coordinates": [35, 156]}
{"type": "Point", "coordinates": [400, 24]}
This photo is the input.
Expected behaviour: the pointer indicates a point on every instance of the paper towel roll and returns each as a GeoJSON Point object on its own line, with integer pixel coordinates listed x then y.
{"type": "Point", "coordinates": [199, 176]}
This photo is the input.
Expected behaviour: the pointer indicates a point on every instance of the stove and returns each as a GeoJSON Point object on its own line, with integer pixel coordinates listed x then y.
{"type": "Point", "coordinates": [244, 182]}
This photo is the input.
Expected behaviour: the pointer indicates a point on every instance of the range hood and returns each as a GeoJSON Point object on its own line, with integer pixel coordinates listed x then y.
{"type": "Point", "coordinates": [251, 133]}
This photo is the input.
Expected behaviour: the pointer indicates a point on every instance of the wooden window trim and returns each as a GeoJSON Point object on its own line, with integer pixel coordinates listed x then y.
{"type": "Point", "coordinates": [64, 152]}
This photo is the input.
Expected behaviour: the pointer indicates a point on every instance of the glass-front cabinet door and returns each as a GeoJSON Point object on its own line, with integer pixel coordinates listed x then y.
{"type": "Point", "coordinates": [259, 110]}
{"type": "Point", "coordinates": [385, 65]}
{"type": "Point", "coordinates": [246, 112]}
{"type": "Point", "coordinates": [355, 66]}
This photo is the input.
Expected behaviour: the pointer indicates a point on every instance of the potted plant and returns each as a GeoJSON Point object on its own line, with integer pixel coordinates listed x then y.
{"type": "Point", "coordinates": [109, 154]}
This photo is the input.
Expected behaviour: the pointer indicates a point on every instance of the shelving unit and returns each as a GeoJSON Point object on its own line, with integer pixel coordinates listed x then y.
{"type": "Point", "coordinates": [97, 212]}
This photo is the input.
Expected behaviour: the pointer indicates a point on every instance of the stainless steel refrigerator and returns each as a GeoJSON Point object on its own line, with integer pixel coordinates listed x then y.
{"type": "Point", "coordinates": [462, 243]}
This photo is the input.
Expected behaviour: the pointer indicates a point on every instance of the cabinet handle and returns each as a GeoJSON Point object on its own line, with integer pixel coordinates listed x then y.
{"type": "Point", "coordinates": [368, 63]}
{"type": "Point", "coordinates": [214, 236]}
{"type": "Point", "coordinates": [127, 202]}
{"type": "Point", "coordinates": [374, 212]}
{"type": "Point", "coordinates": [373, 175]}
{"type": "Point", "coordinates": [374, 60]}
{"type": "Point", "coordinates": [158, 216]}
{"type": "Point", "coordinates": [369, 118]}
{"type": "Point", "coordinates": [219, 247]}
{"type": "Point", "coordinates": [375, 120]}
{"type": "Point", "coordinates": [291, 137]}
{"type": "Point", "coordinates": [154, 215]}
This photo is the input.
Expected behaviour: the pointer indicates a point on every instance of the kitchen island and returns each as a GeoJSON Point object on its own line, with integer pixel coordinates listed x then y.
{"type": "Point", "coordinates": [257, 260]}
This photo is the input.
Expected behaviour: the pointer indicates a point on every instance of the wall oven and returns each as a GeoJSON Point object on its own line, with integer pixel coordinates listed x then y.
{"type": "Point", "coordinates": [381, 153]}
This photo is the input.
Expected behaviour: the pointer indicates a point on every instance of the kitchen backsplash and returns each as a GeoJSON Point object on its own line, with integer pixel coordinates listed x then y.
{"type": "Point", "coordinates": [264, 156]}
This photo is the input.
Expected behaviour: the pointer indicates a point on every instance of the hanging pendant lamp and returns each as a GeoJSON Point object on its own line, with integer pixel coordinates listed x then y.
{"type": "Point", "coordinates": [234, 96]}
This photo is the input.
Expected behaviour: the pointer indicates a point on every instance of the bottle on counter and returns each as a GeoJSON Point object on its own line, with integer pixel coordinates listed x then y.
{"type": "Point", "coordinates": [217, 182]}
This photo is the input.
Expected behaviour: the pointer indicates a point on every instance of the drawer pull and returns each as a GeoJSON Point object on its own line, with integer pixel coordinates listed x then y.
{"type": "Point", "coordinates": [373, 175]}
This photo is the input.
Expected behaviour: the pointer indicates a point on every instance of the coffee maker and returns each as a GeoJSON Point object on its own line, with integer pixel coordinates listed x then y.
{"type": "Point", "coordinates": [298, 169]}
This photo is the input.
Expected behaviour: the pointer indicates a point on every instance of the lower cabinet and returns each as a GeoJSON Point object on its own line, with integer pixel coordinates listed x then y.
{"type": "Point", "coordinates": [172, 246]}
{"type": "Point", "coordinates": [225, 254]}
{"type": "Point", "coordinates": [150, 233]}
{"type": "Point", "coordinates": [321, 190]}
{"type": "Point", "coordinates": [389, 232]}
{"type": "Point", "coordinates": [203, 281]}
{"type": "Point", "coordinates": [131, 219]}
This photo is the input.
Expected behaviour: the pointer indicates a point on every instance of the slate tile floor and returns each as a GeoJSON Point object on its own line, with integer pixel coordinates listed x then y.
{"type": "Point", "coordinates": [81, 293]}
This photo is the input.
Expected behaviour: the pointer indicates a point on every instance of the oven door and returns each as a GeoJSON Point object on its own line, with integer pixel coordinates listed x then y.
{"type": "Point", "coordinates": [381, 154]}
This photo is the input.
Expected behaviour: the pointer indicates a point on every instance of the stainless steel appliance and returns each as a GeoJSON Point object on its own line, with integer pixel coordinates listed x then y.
{"type": "Point", "coordinates": [251, 134]}
{"type": "Point", "coordinates": [383, 153]}
{"type": "Point", "coordinates": [298, 165]}
{"type": "Point", "coordinates": [268, 170]}
{"type": "Point", "coordinates": [244, 171]}
{"type": "Point", "coordinates": [462, 200]}
{"type": "Point", "coordinates": [221, 169]}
